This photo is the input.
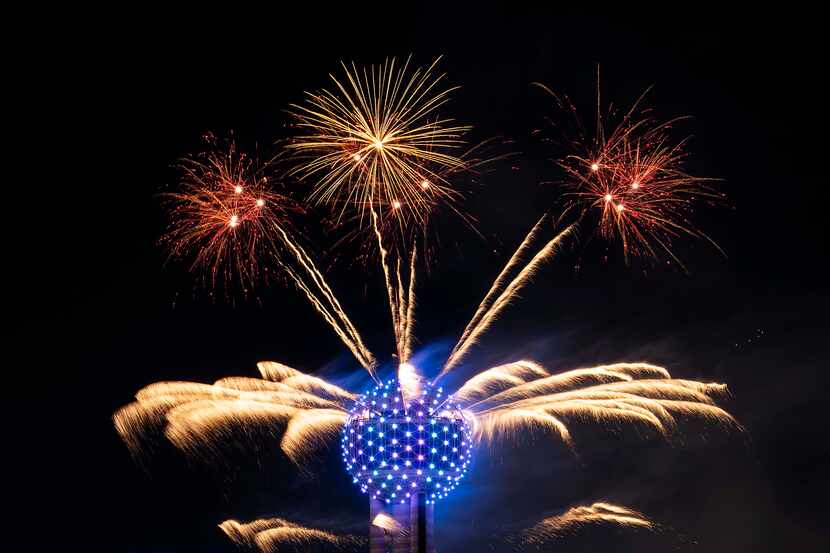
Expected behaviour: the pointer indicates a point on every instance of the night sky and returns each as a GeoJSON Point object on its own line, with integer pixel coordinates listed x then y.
{"type": "Point", "coordinates": [94, 313]}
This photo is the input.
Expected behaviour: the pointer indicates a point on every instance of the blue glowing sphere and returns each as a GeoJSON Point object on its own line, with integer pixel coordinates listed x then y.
{"type": "Point", "coordinates": [395, 447]}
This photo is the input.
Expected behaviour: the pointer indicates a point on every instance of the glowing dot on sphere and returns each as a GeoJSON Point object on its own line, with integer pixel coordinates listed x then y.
{"type": "Point", "coordinates": [608, 197]}
{"type": "Point", "coordinates": [620, 207]}
{"type": "Point", "coordinates": [356, 157]}
{"type": "Point", "coordinates": [234, 221]}
{"type": "Point", "coordinates": [260, 202]}
{"type": "Point", "coordinates": [594, 167]}
{"type": "Point", "coordinates": [635, 185]}
{"type": "Point", "coordinates": [238, 189]}
{"type": "Point", "coordinates": [403, 452]}
{"type": "Point", "coordinates": [425, 184]}
{"type": "Point", "coordinates": [396, 204]}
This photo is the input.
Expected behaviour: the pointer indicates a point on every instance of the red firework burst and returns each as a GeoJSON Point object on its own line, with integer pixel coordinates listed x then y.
{"type": "Point", "coordinates": [225, 217]}
{"type": "Point", "coordinates": [632, 175]}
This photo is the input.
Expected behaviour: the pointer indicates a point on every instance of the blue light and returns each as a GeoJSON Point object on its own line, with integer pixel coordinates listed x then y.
{"type": "Point", "coordinates": [402, 449]}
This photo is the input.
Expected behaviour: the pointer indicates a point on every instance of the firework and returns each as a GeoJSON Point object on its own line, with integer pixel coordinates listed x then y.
{"type": "Point", "coordinates": [376, 140]}
{"type": "Point", "coordinates": [388, 524]}
{"type": "Point", "coordinates": [273, 534]}
{"type": "Point", "coordinates": [498, 284]}
{"type": "Point", "coordinates": [309, 431]}
{"type": "Point", "coordinates": [489, 310]}
{"type": "Point", "coordinates": [630, 176]}
{"type": "Point", "coordinates": [497, 379]}
{"type": "Point", "coordinates": [401, 228]}
{"type": "Point", "coordinates": [497, 404]}
{"type": "Point", "coordinates": [576, 517]}
{"type": "Point", "coordinates": [633, 393]}
{"type": "Point", "coordinates": [202, 418]}
{"type": "Point", "coordinates": [376, 146]}
{"type": "Point", "coordinates": [378, 151]}
{"type": "Point", "coordinates": [225, 216]}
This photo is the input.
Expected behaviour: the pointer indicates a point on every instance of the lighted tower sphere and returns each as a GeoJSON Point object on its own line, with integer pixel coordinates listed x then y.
{"type": "Point", "coordinates": [395, 448]}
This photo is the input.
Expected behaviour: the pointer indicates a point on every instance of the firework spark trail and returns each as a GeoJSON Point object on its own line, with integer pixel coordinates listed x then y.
{"type": "Point", "coordinates": [605, 394]}
{"type": "Point", "coordinates": [273, 534]}
{"type": "Point", "coordinates": [244, 533]}
{"type": "Point", "coordinates": [274, 540]}
{"type": "Point", "coordinates": [203, 418]}
{"type": "Point", "coordinates": [204, 426]}
{"type": "Point", "coordinates": [577, 377]}
{"type": "Point", "coordinates": [311, 430]}
{"type": "Point", "coordinates": [237, 387]}
{"type": "Point", "coordinates": [510, 422]}
{"type": "Point", "coordinates": [149, 413]}
{"type": "Point", "coordinates": [495, 379]}
{"type": "Point", "coordinates": [389, 524]}
{"type": "Point", "coordinates": [365, 356]}
{"type": "Point", "coordinates": [276, 372]}
{"type": "Point", "coordinates": [505, 298]}
{"type": "Point", "coordinates": [298, 380]}
{"type": "Point", "coordinates": [499, 282]}
{"type": "Point", "coordinates": [406, 308]}
{"type": "Point", "coordinates": [575, 517]}
{"type": "Point", "coordinates": [401, 312]}
{"type": "Point", "coordinates": [390, 291]}
{"type": "Point", "coordinates": [410, 382]}
{"type": "Point", "coordinates": [316, 385]}
{"type": "Point", "coordinates": [290, 394]}
{"type": "Point", "coordinates": [401, 301]}
{"type": "Point", "coordinates": [410, 308]}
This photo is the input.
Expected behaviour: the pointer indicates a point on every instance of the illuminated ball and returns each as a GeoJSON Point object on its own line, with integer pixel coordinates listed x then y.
{"type": "Point", "coordinates": [394, 448]}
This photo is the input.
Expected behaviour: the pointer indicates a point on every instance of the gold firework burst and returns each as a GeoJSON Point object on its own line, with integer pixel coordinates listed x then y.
{"type": "Point", "coordinates": [376, 140]}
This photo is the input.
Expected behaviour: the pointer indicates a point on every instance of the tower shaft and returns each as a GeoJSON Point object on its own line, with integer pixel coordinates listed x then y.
{"type": "Point", "coordinates": [414, 531]}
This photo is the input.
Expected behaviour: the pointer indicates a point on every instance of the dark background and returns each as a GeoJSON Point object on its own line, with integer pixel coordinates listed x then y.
{"type": "Point", "coordinates": [93, 314]}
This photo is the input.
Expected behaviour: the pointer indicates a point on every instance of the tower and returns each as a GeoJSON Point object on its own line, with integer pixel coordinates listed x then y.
{"type": "Point", "coordinates": [406, 450]}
